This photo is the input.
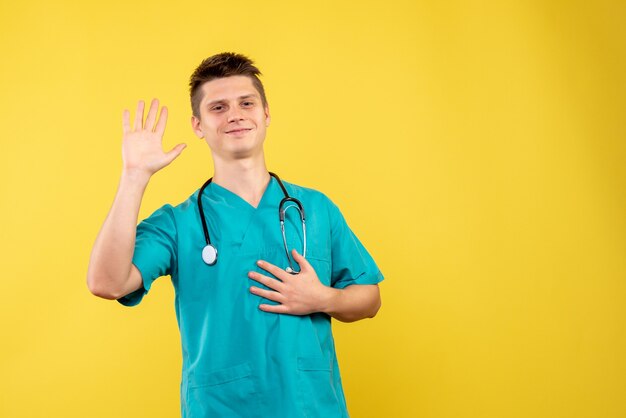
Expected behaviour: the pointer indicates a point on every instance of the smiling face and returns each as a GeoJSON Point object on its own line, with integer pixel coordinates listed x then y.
{"type": "Point", "coordinates": [233, 120]}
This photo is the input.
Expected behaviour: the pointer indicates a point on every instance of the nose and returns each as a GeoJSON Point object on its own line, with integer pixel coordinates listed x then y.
{"type": "Point", "coordinates": [235, 114]}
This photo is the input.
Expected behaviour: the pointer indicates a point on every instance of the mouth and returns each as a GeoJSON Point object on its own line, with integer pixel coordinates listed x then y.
{"type": "Point", "coordinates": [239, 131]}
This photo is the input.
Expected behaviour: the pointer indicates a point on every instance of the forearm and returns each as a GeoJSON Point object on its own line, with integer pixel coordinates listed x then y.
{"type": "Point", "coordinates": [352, 303]}
{"type": "Point", "coordinates": [112, 253]}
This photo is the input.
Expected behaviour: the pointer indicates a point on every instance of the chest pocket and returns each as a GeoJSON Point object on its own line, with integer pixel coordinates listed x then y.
{"type": "Point", "coordinates": [321, 267]}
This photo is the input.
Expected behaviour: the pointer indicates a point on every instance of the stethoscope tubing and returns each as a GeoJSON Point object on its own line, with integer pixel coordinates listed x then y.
{"type": "Point", "coordinates": [209, 252]}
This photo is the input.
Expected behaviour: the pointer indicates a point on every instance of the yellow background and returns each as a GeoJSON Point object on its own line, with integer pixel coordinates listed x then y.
{"type": "Point", "coordinates": [477, 148]}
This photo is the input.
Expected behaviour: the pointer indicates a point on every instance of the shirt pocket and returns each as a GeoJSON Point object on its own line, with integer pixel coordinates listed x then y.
{"type": "Point", "coordinates": [321, 266]}
{"type": "Point", "coordinates": [316, 389]}
{"type": "Point", "coordinates": [227, 392]}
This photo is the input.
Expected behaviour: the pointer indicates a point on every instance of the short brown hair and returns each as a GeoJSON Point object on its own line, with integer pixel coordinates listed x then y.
{"type": "Point", "coordinates": [222, 65]}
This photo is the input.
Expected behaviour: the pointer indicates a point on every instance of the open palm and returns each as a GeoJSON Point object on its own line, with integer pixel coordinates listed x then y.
{"type": "Point", "coordinates": [142, 146]}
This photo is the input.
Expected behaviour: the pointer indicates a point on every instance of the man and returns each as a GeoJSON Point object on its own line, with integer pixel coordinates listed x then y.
{"type": "Point", "coordinates": [256, 338]}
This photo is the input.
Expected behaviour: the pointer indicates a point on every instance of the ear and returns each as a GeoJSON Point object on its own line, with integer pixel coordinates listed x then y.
{"type": "Point", "coordinates": [267, 116]}
{"type": "Point", "coordinates": [195, 125]}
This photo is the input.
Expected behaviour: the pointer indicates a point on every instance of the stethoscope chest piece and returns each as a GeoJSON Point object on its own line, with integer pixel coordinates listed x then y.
{"type": "Point", "coordinates": [209, 254]}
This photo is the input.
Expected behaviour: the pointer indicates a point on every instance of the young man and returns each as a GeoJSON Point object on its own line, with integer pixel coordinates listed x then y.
{"type": "Point", "coordinates": [254, 301]}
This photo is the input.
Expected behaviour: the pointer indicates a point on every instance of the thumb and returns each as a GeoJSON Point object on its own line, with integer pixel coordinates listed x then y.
{"type": "Point", "coordinates": [302, 262]}
{"type": "Point", "coordinates": [175, 152]}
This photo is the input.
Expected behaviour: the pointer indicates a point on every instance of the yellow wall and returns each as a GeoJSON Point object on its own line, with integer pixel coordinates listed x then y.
{"type": "Point", "coordinates": [476, 148]}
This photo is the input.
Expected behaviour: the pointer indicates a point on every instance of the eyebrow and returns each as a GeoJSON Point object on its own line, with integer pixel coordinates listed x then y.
{"type": "Point", "coordinates": [247, 96]}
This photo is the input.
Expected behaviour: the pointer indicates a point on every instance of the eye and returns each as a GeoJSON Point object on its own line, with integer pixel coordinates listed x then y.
{"type": "Point", "coordinates": [247, 104]}
{"type": "Point", "coordinates": [217, 108]}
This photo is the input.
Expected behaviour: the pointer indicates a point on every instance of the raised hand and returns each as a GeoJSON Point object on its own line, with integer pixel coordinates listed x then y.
{"type": "Point", "coordinates": [142, 146]}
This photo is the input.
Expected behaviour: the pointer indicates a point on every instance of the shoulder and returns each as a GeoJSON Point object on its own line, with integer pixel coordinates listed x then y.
{"type": "Point", "coordinates": [310, 195]}
{"type": "Point", "coordinates": [176, 211]}
{"type": "Point", "coordinates": [316, 200]}
{"type": "Point", "coordinates": [188, 203]}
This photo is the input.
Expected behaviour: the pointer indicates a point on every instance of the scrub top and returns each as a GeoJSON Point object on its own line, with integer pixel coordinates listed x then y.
{"type": "Point", "coordinates": [239, 361]}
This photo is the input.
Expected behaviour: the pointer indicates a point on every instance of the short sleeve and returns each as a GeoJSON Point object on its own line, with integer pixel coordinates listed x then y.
{"type": "Point", "coordinates": [155, 251]}
{"type": "Point", "coordinates": [350, 261]}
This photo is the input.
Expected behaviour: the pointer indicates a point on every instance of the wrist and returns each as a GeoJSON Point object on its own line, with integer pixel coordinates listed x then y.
{"type": "Point", "coordinates": [135, 175]}
{"type": "Point", "coordinates": [329, 299]}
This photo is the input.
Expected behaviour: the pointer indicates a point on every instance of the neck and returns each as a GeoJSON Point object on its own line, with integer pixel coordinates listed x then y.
{"type": "Point", "coordinates": [247, 178]}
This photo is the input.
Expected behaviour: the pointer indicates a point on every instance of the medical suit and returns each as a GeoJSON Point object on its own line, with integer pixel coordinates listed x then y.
{"type": "Point", "coordinates": [239, 361]}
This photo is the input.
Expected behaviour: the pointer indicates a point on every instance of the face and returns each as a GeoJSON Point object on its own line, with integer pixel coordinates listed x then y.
{"type": "Point", "coordinates": [233, 119]}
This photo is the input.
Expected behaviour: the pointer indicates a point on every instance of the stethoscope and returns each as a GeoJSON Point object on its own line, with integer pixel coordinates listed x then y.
{"type": "Point", "coordinates": [209, 252]}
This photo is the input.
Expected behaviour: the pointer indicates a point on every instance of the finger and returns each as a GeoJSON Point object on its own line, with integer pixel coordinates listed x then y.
{"type": "Point", "coordinates": [267, 294]}
{"type": "Point", "coordinates": [160, 126]}
{"type": "Point", "coordinates": [276, 271]}
{"type": "Point", "coordinates": [152, 112]}
{"type": "Point", "coordinates": [274, 308]}
{"type": "Point", "coordinates": [175, 152]}
{"type": "Point", "coordinates": [302, 262]}
{"type": "Point", "coordinates": [126, 121]}
{"type": "Point", "coordinates": [139, 116]}
{"type": "Point", "coordinates": [267, 281]}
